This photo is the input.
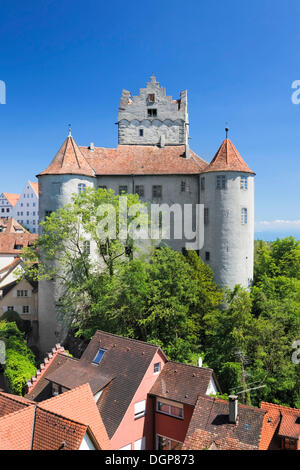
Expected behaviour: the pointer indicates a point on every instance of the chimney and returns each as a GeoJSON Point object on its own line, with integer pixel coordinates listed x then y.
{"type": "Point", "coordinates": [92, 147]}
{"type": "Point", "coordinates": [200, 361]}
{"type": "Point", "coordinates": [233, 409]}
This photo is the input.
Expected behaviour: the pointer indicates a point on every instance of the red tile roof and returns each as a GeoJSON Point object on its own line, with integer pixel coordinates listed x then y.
{"type": "Point", "coordinates": [9, 242]}
{"type": "Point", "coordinates": [10, 225]}
{"type": "Point", "coordinates": [12, 198]}
{"type": "Point", "coordinates": [228, 158]}
{"type": "Point", "coordinates": [85, 411]}
{"type": "Point", "coordinates": [143, 160]}
{"type": "Point", "coordinates": [69, 160]}
{"type": "Point", "coordinates": [58, 423]}
{"type": "Point", "coordinates": [35, 187]}
{"type": "Point", "coordinates": [16, 429]}
{"type": "Point", "coordinates": [279, 420]}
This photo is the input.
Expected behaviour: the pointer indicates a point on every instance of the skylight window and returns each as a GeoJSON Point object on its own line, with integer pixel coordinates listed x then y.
{"type": "Point", "coordinates": [97, 359]}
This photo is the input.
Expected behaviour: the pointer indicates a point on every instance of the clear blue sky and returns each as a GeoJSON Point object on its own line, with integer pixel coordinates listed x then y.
{"type": "Point", "coordinates": [66, 61]}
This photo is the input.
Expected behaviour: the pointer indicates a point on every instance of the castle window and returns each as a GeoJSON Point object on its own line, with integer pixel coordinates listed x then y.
{"type": "Point", "coordinates": [151, 98]}
{"type": "Point", "coordinates": [47, 213]}
{"type": "Point", "coordinates": [123, 189]}
{"type": "Point", "coordinates": [156, 191]}
{"type": "Point", "coordinates": [81, 188]}
{"type": "Point", "coordinates": [183, 186]}
{"type": "Point", "coordinates": [206, 215]}
{"type": "Point", "coordinates": [244, 182]}
{"type": "Point", "coordinates": [207, 256]}
{"type": "Point", "coordinates": [221, 182]}
{"type": "Point", "coordinates": [141, 132]}
{"type": "Point", "coordinates": [139, 189]}
{"type": "Point", "coordinates": [244, 216]}
{"type": "Point", "coordinates": [203, 183]}
{"type": "Point", "coordinates": [25, 309]}
{"type": "Point", "coordinates": [102, 187]}
{"type": "Point", "coordinates": [152, 112]}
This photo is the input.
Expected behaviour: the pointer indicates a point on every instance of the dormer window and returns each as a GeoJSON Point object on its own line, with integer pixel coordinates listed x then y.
{"type": "Point", "coordinates": [97, 359]}
{"type": "Point", "coordinates": [151, 98]}
{"type": "Point", "coordinates": [152, 112]}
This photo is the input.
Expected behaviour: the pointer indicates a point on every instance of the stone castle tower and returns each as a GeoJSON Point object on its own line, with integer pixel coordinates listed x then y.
{"type": "Point", "coordinates": [153, 159]}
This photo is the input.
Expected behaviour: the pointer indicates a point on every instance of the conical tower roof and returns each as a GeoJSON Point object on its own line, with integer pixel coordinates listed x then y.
{"type": "Point", "coordinates": [228, 158]}
{"type": "Point", "coordinates": [69, 160]}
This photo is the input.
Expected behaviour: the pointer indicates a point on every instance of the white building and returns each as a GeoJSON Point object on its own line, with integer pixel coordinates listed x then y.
{"type": "Point", "coordinates": [7, 204]}
{"type": "Point", "coordinates": [153, 159]}
{"type": "Point", "coordinates": [26, 209]}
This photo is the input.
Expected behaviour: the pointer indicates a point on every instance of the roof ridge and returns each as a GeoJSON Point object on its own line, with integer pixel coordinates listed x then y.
{"type": "Point", "coordinates": [38, 405]}
{"type": "Point", "coordinates": [190, 365]}
{"type": "Point", "coordinates": [26, 401]}
{"type": "Point", "coordinates": [128, 339]}
{"type": "Point", "coordinates": [276, 405]}
{"type": "Point", "coordinates": [14, 413]}
{"type": "Point", "coordinates": [68, 392]}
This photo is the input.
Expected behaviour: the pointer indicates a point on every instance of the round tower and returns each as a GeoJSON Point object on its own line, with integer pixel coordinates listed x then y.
{"type": "Point", "coordinates": [68, 173]}
{"type": "Point", "coordinates": [227, 192]}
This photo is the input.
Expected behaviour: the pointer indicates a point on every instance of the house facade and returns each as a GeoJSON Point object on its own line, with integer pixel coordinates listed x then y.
{"type": "Point", "coordinates": [7, 204]}
{"type": "Point", "coordinates": [26, 210]}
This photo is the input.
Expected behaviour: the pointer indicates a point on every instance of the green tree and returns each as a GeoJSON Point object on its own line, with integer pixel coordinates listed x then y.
{"type": "Point", "coordinates": [20, 362]}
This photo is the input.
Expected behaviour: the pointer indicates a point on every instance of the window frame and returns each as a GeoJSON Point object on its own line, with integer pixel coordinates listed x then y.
{"type": "Point", "coordinates": [94, 360]}
{"type": "Point", "coordinates": [142, 412]}
{"type": "Point", "coordinates": [171, 405]}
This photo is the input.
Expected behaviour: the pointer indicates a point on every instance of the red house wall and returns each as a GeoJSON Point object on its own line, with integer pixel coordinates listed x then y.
{"type": "Point", "coordinates": [130, 429]}
{"type": "Point", "coordinates": [171, 427]}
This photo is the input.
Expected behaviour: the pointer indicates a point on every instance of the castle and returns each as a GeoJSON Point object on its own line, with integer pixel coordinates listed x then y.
{"type": "Point", "coordinates": [153, 159]}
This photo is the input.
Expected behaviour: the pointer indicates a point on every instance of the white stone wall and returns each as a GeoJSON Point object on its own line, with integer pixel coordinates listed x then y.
{"type": "Point", "coordinates": [55, 192]}
{"type": "Point", "coordinates": [5, 207]}
{"type": "Point", "coordinates": [171, 120]}
{"type": "Point", "coordinates": [229, 243]}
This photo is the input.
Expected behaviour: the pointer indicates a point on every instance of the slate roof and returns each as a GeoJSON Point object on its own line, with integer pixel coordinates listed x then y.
{"type": "Point", "coordinates": [212, 416]}
{"type": "Point", "coordinates": [182, 383]}
{"type": "Point", "coordinates": [43, 388]}
{"type": "Point", "coordinates": [126, 362]}
{"type": "Point", "coordinates": [227, 158]}
{"type": "Point", "coordinates": [279, 421]}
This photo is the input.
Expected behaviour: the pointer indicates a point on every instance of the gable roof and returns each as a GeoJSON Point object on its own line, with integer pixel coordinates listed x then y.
{"type": "Point", "coordinates": [58, 423]}
{"type": "Point", "coordinates": [212, 416]}
{"type": "Point", "coordinates": [69, 160]}
{"type": "Point", "coordinates": [35, 187]}
{"type": "Point", "coordinates": [79, 405]}
{"type": "Point", "coordinates": [182, 383]}
{"type": "Point", "coordinates": [227, 158]}
{"type": "Point", "coordinates": [12, 198]}
{"type": "Point", "coordinates": [126, 362]}
{"type": "Point", "coordinates": [279, 420]}
{"type": "Point", "coordinates": [10, 225]}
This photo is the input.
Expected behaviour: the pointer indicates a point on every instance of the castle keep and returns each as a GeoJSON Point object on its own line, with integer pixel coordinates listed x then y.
{"type": "Point", "coordinates": [153, 159]}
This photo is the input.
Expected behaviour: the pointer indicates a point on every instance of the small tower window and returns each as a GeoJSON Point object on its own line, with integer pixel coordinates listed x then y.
{"type": "Point", "coordinates": [141, 132]}
{"type": "Point", "coordinates": [203, 183]}
{"type": "Point", "coordinates": [221, 182]}
{"type": "Point", "coordinates": [206, 215]}
{"type": "Point", "coordinates": [244, 216]}
{"type": "Point", "coordinates": [207, 256]}
{"type": "Point", "coordinates": [244, 182]}
{"type": "Point", "coordinates": [156, 191]}
{"type": "Point", "coordinates": [81, 188]}
{"type": "Point", "coordinates": [183, 186]}
{"type": "Point", "coordinates": [152, 112]}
